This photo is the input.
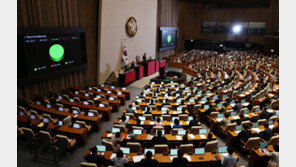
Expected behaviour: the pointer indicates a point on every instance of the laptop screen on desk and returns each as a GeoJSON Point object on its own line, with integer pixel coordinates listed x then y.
{"type": "Point", "coordinates": [204, 99]}
{"type": "Point", "coordinates": [75, 112]}
{"type": "Point", "coordinates": [101, 105]}
{"type": "Point", "coordinates": [181, 132]}
{"type": "Point", "coordinates": [148, 149]}
{"type": "Point", "coordinates": [206, 106]}
{"type": "Point", "coordinates": [238, 127]}
{"type": "Point", "coordinates": [179, 108]}
{"type": "Point", "coordinates": [243, 101]}
{"type": "Point", "coordinates": [142, 118]}
{"type": "Point", "coordinates": [263, 144]}
{"type": "Point", "coordinates": [220, 115]}
{"type": "Point", "coordinates": [21, 113]}
{"type": "Point", "coordinates": [257, 109]}
{"type": "Point", "coordinates": [233, 114]}
{"type": "Point", "coordinates": [208, 92]}
{"type": "Point", "coordinates": [85, 103]}
{"type": "Point", "coordinates": [202, 131]}
{"type": "Point", "coordinates": [32, 116]}
{"type": "Point", "coordinates": [60, 123]}
{"type": "Point", "coordinates": [45, 120]}
{"type": "Point", "coordinates": [246, 111]}
{"type": "Point", "coordinates": [164, 109]}
{"type": "Point", "coordinates": [199, 151]}
{"type": "Point", "coordinates": [137, 131]}
{"type": "Point", "coordinates": [98, 96]}
{"type": "Point", "coordinates": [125, 150]}
{"type": "Point", "coordinates": [222, 149]}
{"type": "Point", "coordinates": [61, 109]}
{"type": "Point", "coordinates": [224, 96]}
{"type": "Point", "coordinates": [191, 100]}
{"type": "Point", "coordinates": [115, 130]}
{"type": "Point", "coordinates": [112, 87]}
{"type": "Point", "coordinates": [72, 100]}
{"type": "Point", "coordinates": [76, 125]}
{"type": "Point", "coordinates": [109, 92]}
{"type": "Point", "coordinates": [219, 105]}
{"type": "Point", "coordinates": [215, 97]}
{"type": "Point", "coordinates": [134, 108]}
{"type": "Point", "coordinates": [101, 148]}
{"type": "Point", "coordinates": [173, 151]}
{"type": "Point", "coordinates": [255, 125]}
{"type": "Point", "coordinates": [90, 114]}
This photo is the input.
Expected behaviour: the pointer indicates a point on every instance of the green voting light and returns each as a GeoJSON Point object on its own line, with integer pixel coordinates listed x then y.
{"type": "Point", "coordinates": [169, 38]}
{"type": "Point", "coordinates": [56, 52]}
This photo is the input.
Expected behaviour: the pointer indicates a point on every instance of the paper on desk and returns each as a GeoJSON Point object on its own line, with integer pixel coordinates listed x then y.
{"type": "Point", "coordinates": [151, 122]}
{"type": "Point", "coordinates": [237, 131]}
{"type": "Point", "coordinates": [191, 136]}
{"type": "Point", "coordinates": [270, 111]}
{"type": "Point", "coordinates": [232, 105]}
{"type": "Point", "coordinates": [174, 112]}
{"type": "Point", "coordinates": [109, 135]}
{"type": "Point", "coordinates": [271, 126]}
{"type": "Point", "coordinates": [187, 122]}
{"type": "Point", "coordinates": [253, 114]}
{"type": "Point", "coordinates": [164, 112]}
{"type": "Point", "coordinates": [172, 157]}
{"type": "Point", "coordinates": [179, 137]}
{"type": "Point", "coordinates": [138, 158]}
{"type": "Point", "coordinates": [256, 130]}
{"type": "Point", "coordinates": [113, 156]}
{"type": "Point", "coordinates": [203, 136]}
{"type": "Point", "coordinates": [188, 157]}
{"type": "Point", "coordinates": [235, 117]}
{"type": "Point", "coordinates": [149, 137]}
{"type": "Point", "coordinates": [219, 119]}
{"type": "Point", "coordinates": [142, 122]}
{"type": "Point", "coordinates": [246, 115]}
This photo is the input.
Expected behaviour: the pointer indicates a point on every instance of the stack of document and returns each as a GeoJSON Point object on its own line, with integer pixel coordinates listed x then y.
{"type": "Point", "coordinates": [149, 137]}
{"type": "Point", "coordinates": [179, 137]}
{"type": "Point", "coordinates": [188, 157]}
{"type": "Point", "coordinates": [138, 158]}
{"type": "Point", "coordinates": [109, 135]}
{"type": "Point", "coordinates": [151, 122]}
{"type": "Point", "coordinates": [191, 136]}
{"type": "Point", "coordinates": [257, 130]}
{"type": "Point", "coordinates": [203, 136]}
{"type": "Point", "coordinates": [113, 156]}
{"type": "Point", "coordinates": [235, 117]}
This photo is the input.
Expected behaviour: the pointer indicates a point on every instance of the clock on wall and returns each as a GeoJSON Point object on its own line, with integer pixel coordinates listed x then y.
{"type": "Point", "coordinates": [131, 27]}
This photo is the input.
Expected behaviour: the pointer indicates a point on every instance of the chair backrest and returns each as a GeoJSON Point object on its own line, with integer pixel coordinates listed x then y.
{"type": "Point", "coordinates": [175, 131]}
{"type": "Point", "coordinates": [254, 108]}
{"type": "Point", "coordinates": [45, 137]}
{"type": "Point", "coordinates": [91, 102]}
{"type": "Point", "coordinates": [273, 118]}
{"type": "Point", "coordinates": [59, 105]}
{"type": "Point", "coordinates": [63, 141]}
{"type": "Point", "coordinates": [67, 120]}
{"type": "Point", "coordinates": [148, 116]}
{"type": "Point", "coordinates": [77, 109]}
{"type": "Point", "coordinates": [253, 142]}
{"type": "Point", "coordinates": [274, 140]}
{"type": "Point", "coordinates": [66, 97]}
{"type": "Point", "coordinates": [262, 121]}
{"type": "Point", "coordinates": [246, 123]}
{"type": "Point", "coordinates": [86, 164]}
{"type": "Point", "coordinates": [82, 124]}
{"type": "Point", "coordinates": [47, 116]}
{"type": "Point", "coordinates": [214, 114]}
{"type": "Point", "coordinates": [155, 128]}
{"type": "Point", "coordinates": [161, 148]}
{"type": "Point", "coordinates": [135, 147]}
{"type": "Point", "coordinates": [167, 117]}
{"type": "Point", "coordinates": [138, 127]}
{"type": "Point", "coordinates": [131, 115]}
{"type": "Point", "coordinates": [108, 144]}
{"type": "Point", "coordinates": [95, 112]}
{"type": "Point", "coordinates": [195, 129]}
{"type": "Point", "coordinates": [34, 113]}
{"type": "Point", "coordinates": [76, 99]}
{"type": "Point", "coordinates": [121, 127]}
{"type": "Point", "coordinates": [230, 127]}
{"type": "Point", "coordinates": [29, 134]}
{"type": "Point", "coordinates": [82, 92]}
{"type": "Point", "coordinates": [183, 117]}
{"type": "Point", "coordinates": [106, 104]}
{"type": "Point", "coordinates": [187, 148]}
{"type": "Point", "coordinates": [211, 146]}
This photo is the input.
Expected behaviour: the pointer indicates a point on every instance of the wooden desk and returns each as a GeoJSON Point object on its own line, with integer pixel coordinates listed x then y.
{"type": "Point", "coordinates": [126, 92]}
{"type": "Point", "coordinates": [106, 111]}
{"type": "Point", "coordinates": [259, 159]}
{"type": "Point", "coordinates": [113, 103]}
{"type": "Point", "coordinates": [94, 121]}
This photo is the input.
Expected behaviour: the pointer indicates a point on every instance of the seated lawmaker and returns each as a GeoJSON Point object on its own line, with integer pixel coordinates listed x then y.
{"type": "Point", "coordinates": [245, 134]}
{"type": "Point", "coordinates": [148, 162]}
{"type": "Point", "coordinates": [159, 139]}
{"type": "Point", "coordinates": [193, 122]}
{"type": "Point", "coordinates": [93, 157]}
{"type": "Point", "coordinates": [177, 124]}
{"type": "Point", "coordinates": [179, 161]}
{"type": "Point", "coordinates": [267, 133]}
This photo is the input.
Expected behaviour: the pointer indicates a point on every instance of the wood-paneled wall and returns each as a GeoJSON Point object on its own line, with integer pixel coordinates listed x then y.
{"type": "Point", "coordinates": [167, 15]}
{"type": "Point", "coordinates": [62, 13]}
{"type": "Point", "coordinates": [192, 14]}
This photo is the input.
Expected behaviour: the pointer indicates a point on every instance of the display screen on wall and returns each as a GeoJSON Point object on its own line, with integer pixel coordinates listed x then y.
{"type": "Point", "coordinates": [208, 27]}
{"type": "Point", "coordinates": [257, 28]}
{"type": "Point", "coordinates": [167, 38]}
{"type": "Point", "coordinates": [50, 51]}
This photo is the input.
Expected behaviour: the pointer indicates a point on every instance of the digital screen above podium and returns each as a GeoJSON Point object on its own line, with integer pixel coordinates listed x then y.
{"type": "Point", "coordinates": [167, 38]}
{"type": "Point", "coordinates": [44, 52]}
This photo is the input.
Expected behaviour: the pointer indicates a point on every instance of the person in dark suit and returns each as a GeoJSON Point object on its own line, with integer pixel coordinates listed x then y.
{"type": "Point", "coordinates": [159, 139]}
{"type": "Point", "coordinates": [267, 133]}
{"type": "Point", "coordinates": [133, 65]}
{"type": "Point", "coordinates": [193, 122]}
{"type": "Point", "coordinates": [93, 157]}
{"type": "Point", "coordinates": [245, 134]}
{"type": "Point", "coordinates": [237, 107]}
{"type": "Point", "coordinates": [210, 110]}
{"type": "Point", "coordinates": [264, 114]}
{"type": "Point", "coordinates": [144, 57]}
{"type": "Point", "coordinates": [179, 161]}
{"type": "Point", "coordinates": [148, 162]}
{"type": "Point", "coordinates": [130, 110]}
